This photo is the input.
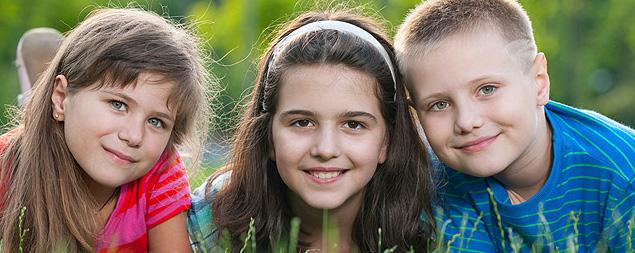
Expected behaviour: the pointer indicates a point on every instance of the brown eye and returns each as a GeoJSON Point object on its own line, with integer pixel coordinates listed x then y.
{"type": "Point", "coordinates": [302, 123]}
{"type": "Point", "coordinates": [353, 124]}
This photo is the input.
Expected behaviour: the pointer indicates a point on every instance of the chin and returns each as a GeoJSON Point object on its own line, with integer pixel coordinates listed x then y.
{"type": "Point", "coordinates": [479, 172]}
{"type": "Point", "coordinates": [330, 204]}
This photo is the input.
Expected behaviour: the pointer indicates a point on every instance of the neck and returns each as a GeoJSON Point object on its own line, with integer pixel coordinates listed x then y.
{"type": "Point", "coordinates": [105, 200]}
{"type": "Point", "coordinates": [328, 230]}
{"type": "Point", "coordinates": [527, 174]}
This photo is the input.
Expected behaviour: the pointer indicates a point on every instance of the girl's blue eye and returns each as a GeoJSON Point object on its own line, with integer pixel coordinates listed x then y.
{"type": "Point", "coordinates": [118, 105]}
{"type": "Point", "coordinates": [439, 106]}
{"type": "Point", "coordinates": [487, 90]}
{"type": "Point", "coordinates": [156, 122]}
{"type": "Point", "coordinates": [302, 123]}
{"type": "Point", "coordinates": [353, 124]}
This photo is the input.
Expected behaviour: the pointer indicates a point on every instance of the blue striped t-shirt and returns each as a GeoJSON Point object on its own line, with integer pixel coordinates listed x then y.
{"type": "Point", "coordinates": [586, 204]}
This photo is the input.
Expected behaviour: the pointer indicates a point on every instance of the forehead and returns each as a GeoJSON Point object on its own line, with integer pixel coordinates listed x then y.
{"type": "Point", "coordinates": [327, 87]}
{"type": "Point", "coordinates": [463, 57]}
{"type": "Point", "coordinates": [149, 89]}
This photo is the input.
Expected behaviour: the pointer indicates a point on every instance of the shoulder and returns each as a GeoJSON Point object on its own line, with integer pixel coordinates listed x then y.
{"type": "Point", "coordinates": [200, 218]}
{"type": "Point", "coordinates": [167, 172]}
{"type": "Point", "coordinates": [593, 137]}
{"type": "Point", "coordinates": [589, 126]}
{"type": "Point", "coordinates": [164, 189]}
{"type": "Point", "coordinates": [7, 137]}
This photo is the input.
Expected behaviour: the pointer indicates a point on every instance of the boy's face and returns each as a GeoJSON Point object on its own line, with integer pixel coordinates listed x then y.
{"type": "Point", "coordinates": [478, 104]}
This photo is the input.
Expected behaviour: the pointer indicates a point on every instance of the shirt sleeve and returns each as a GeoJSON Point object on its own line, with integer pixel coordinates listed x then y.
{"type": "Point", "coordinates": [204, 235]}
{"type": "Point", "coordinates": [169, 196]}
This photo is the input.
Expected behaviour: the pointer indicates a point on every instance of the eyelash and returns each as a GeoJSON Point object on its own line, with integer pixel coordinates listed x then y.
{"type": "Point", "coordinates": [347, 124]}
{"type": "Point", "coordinates": [433, 105]}
{"type": "Point", "coordinates": [121, 106]}
{"type": "Point", "coordinates": [480, 90]}
{"type": "Point", "coordinates": [360, 125]}
{"type": "Point", "coordinates": [113, 104]}
{"type": "Point", "coordinates": [159, 123]}
{"type": "Point", "coordinates": [296, 123]}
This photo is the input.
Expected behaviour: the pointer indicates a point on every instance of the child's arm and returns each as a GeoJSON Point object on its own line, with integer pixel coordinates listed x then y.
{"type": "Point", "coordinates": [169, 236]}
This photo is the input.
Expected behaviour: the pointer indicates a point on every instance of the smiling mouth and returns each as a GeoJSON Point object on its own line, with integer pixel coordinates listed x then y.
{"type": "Point", "coordinates": [123, 158]}
{"type": "Point", "coordinates": [325, 176]}
{"type": "Point", "coordinates": [479, 144]}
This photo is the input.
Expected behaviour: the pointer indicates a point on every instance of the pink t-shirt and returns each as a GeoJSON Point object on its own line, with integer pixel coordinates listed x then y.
{"type": "Point", "coordinates": [159, 195]}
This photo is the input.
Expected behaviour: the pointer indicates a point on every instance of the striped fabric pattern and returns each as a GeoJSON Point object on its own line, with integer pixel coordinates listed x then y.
{"type": "Point", "coordinates": [204, 235]}
{"type": "Point", "coordinates": [159, 195]}
{"type": "Point", "coordinates": [587, 202]}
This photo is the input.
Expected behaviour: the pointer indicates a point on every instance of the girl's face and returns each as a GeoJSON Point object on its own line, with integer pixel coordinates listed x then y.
{"type": "Point", "coordinates": [328, 134]}
{"type": "Point", "coordinates": [116, 135]}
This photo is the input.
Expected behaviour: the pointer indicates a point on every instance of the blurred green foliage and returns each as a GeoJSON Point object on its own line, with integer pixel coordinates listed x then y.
{"type": "Point", "coordinates": [590, 44]}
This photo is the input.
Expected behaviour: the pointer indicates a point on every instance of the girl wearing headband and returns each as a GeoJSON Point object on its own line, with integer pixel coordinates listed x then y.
{"type": "Point", "coordinates": [327, 137]}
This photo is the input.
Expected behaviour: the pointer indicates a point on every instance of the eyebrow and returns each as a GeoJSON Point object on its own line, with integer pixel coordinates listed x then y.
{"type": "Point", "coordinates": [130, 100]}
{"type": "Point", "coordinates": [353, 114]}
{"type": "Point", "coordinates": [349, 114]}
{"type": "Point", "coordinates": [296, 112]}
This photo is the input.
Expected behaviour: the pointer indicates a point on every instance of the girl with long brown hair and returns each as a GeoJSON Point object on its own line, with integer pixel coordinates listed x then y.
{"type": "Point", "coordinates": [328, 130]}
{"type": "Point", "coordinates": [92, 164]}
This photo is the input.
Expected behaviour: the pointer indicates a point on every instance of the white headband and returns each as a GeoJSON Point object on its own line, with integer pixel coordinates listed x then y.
{"type": "Point", "coordinates": [338, 26]}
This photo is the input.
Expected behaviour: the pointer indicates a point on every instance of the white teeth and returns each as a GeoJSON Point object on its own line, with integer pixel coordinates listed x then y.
{"type": "Point", "coordinates": [325, 175]}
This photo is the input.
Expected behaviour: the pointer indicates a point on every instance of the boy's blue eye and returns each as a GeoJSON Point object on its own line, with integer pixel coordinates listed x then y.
{"type": "Point", "coordinates": [118, 105]}
{"type": "Point", "coordinates": [302, 123]}
{"type": "Point", "coordinates": [156, 122]}
{"type": "Point", "coordinates": [353, 124]}
{"type": "Point", "coordinates": [487, 90]}
{"type": "Point", "coordinates": [439, 106]}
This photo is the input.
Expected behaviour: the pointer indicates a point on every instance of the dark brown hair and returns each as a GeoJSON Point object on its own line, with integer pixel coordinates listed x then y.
{"type": "Point", "coordinates": [111, 47]}
{"type": "Point", "coordinates": [398, 194]}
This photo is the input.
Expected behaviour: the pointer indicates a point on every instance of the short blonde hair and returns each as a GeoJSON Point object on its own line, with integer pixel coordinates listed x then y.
{"type": "Point", "coordinates": [434, 20]}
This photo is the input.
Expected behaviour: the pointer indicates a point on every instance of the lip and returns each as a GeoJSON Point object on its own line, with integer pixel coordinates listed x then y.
{"type": "Point", "coordinates": [119, 156]}
{"type": "Point", "coordinates": [324, 181]}
{"type": "Point", "coordinates": [478, 144]}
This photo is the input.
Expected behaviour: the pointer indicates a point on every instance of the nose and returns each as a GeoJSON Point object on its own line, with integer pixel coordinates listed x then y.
{"type": "Point", "coordinates": [326, 144]}
{"type": "Point", "coordinates": [467, 118]}
{"type": "Point", "coordinates": [132, 133]}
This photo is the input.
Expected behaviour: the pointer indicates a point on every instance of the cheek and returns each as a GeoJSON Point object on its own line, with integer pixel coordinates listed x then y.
{"type": "Point", "coordinates": [288, 148]}
{"type": "Point", "coordinates": [436, 130]}
{"type": "Point", "coordinates": [364, 152]}
{"type": "Point", "coordinates": [156, 144]}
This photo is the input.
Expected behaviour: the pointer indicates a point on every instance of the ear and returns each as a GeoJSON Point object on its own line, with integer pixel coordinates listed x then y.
{"type": "Point", "coordinates": [383, 152]}
{"type": "Point", "coordinates": [541, 79]}
{"type": "Point", "coordinates": [59, 96]}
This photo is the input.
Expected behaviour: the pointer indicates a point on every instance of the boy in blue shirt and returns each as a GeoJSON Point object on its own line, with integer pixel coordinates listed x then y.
{"type": "Point", "coordinates": [522, 170]}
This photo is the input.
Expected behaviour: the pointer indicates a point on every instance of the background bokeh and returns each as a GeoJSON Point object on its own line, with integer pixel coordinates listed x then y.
{"type": "Point", "coordinates": [590, 44]}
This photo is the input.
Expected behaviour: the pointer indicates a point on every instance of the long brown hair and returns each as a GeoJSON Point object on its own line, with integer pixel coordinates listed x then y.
{"type": "Point", "coordinates": [397, 195]}
{"type": "Point", "coordinates": [111, 47]}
